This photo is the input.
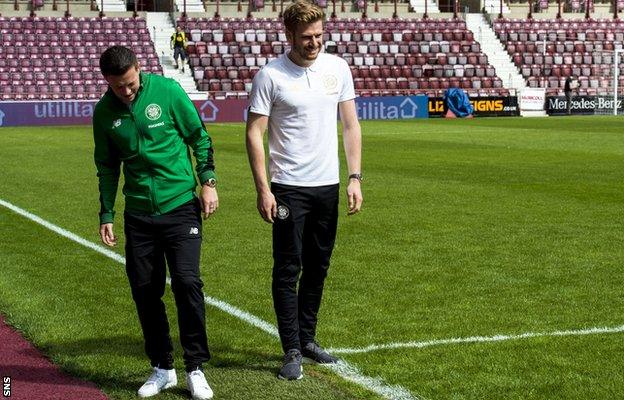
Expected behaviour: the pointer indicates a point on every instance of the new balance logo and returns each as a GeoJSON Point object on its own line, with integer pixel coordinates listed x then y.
{"type": "Point", "coordinates": [194, 231]}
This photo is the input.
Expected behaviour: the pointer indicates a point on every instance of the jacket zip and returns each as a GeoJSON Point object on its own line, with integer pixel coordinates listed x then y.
{"type": "Point", "coordinates": [149, 167]}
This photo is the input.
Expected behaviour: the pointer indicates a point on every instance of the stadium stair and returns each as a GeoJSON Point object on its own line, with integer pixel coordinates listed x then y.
{"type": "Point", "coordinates": [497, 56]}
{"type": "Point", "coordinates": [492, 7]}
{"type": "Point", "coordinates": [113, 6]}
{"type": "Point", "coordinates": [192, 6]}
{"type": "Point", "coordinates": [419, 6]}
{"type": "Point", "coordinates": [161, 28]}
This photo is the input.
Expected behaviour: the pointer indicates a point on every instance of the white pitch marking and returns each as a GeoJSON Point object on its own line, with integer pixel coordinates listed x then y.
{"type": "Point", "coordinates": [244, 315]}
{"type": "Point", "coordinates": [476, 339]}
{"type": "Point", "coordinates": [343, 369]}
{"type": "Point", "coordinates": [351, 373]}
{"type": "Point", "coordinates": [65, 233]}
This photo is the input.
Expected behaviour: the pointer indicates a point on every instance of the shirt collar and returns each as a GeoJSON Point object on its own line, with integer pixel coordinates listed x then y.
{"type": "Point", "coordinates": [299, 69]}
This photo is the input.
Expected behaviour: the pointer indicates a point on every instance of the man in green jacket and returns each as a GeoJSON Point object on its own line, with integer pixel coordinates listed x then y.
{"type": "Point", "coordinates": [147, 123]}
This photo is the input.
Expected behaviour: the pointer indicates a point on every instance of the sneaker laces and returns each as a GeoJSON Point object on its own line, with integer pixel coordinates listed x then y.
{"type": "Point", "coordinates": [198, 378]}
{"type": "Point", "coordinates": [155, 377]}
{"type": "Point", "coordinates": [292, 355]}
{"type": "Point", "coordinates": [315, 347]}
{"type": "Point", "coordinates": [316, 351]}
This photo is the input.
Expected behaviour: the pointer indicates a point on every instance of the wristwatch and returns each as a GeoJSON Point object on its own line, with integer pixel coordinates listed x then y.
{"type": "Point", "coordinates": [357, 176]}
{"type": "Point", "coordinates": [211, 182]}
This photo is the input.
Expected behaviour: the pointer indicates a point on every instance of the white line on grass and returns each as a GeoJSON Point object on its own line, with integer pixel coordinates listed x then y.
{"type": "Point", "coordinates": [244, 315]}
{"type": "Point", "coordinates": [65, 233]}
{"type": "Point", "coordinates": [477, 339]}
{"type": "Point", "coordinates": [345, 370]}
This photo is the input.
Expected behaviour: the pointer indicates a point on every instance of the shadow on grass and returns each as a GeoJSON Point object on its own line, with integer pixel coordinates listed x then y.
{"type": "Point", "coordinates": [100, 360]}
{"type": "Point", "coordinates": [244, 359]}
{"type": "Point", "coordinates": [82, 358]}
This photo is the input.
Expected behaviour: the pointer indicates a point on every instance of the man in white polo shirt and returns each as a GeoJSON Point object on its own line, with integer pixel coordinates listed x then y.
{"type": "Point", "coordinates": [297, 96]}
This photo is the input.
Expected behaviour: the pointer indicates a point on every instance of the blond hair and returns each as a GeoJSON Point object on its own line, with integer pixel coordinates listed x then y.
{"type": "Point", "coordinates": [302, 12]}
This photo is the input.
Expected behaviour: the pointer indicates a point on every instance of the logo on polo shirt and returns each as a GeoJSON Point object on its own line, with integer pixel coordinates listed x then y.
{"type": "Point", "coordinates": [153, 112]}
{"type": "Point", "coordinates": [116, 123]}
{"type": "Point", "coordinates": [330, 82]}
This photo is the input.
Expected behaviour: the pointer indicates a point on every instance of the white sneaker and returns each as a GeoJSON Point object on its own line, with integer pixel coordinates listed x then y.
{"type": "Point", "coordinates": [159, 379]}
{"type": "Point", "coordinates": [196, 382]}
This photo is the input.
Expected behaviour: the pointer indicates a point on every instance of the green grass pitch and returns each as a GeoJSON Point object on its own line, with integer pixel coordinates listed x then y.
{"type": "Point", "coordinates": [469, 228]}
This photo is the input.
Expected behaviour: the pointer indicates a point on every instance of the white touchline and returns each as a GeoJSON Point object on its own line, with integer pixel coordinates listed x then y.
{"type": "Point", "coordinates": [476, 339]}
{"type": "Point", "coordinates": [65, 233]}
{"type": "Point", "coordinates": [345, 370]}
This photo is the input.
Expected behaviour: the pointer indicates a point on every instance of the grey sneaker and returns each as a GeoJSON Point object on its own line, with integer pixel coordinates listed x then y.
{"type": "Point", "coordinates": [291, 369]}
{"type": "Point", "coordinates": [316, 353]}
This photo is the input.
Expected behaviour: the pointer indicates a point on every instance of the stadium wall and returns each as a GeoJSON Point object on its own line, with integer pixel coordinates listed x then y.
{"type": "Point", "coordinates": [78, 112]}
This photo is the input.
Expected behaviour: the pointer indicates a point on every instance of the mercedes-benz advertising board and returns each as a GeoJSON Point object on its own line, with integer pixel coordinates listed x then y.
{"type": "Point", "coordinates": [582, 105]}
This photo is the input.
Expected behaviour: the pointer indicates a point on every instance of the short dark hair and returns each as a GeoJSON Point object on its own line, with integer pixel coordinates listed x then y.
{"type": "Point", "coordinates": [117, 60]}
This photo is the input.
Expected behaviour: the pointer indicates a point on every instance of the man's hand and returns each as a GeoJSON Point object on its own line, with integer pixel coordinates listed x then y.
{"type": "Point", "coordinates": [209, 200]}
{"type": "Point", "coordinates": [267, 206]}
{"type": "Point", "coordinates": [354, 196]}
{"type": "Point", "coordinates": [107, 236]}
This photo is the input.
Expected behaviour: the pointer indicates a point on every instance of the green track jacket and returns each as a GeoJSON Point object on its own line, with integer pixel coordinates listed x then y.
{"type": "Point", "coordinates": [151, 138]}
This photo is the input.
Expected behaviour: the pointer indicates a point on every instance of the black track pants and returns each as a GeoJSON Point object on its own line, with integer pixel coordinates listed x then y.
{"type": "Point", "coordinates": [303, 239]}
{"type": "Point", "coordinates": [174, 239]}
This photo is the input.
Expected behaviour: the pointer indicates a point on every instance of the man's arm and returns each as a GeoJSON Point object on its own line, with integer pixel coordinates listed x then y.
{"type": "Point", "coordinates": [108, 164]}
{"type": "Point", "coordinates": [256, 125]}
{"type": "Point", "coordinates": [195, 135]}
{"type": "Point", "coordinates": [352, 138]}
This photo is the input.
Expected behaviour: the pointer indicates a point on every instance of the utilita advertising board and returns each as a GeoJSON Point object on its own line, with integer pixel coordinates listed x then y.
{"type": "Point", "coordinates": [67, 112]}
{"type": "Point", "coordinates": [29, 113]}
{"type": "Point", "coordinates": [398, 107]}
{"type": "Point", "coordinates": [34, 113]}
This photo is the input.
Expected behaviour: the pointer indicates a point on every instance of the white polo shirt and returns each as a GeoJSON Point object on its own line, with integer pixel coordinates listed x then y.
{"type": "Point", "coordinates": [302, 105]}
